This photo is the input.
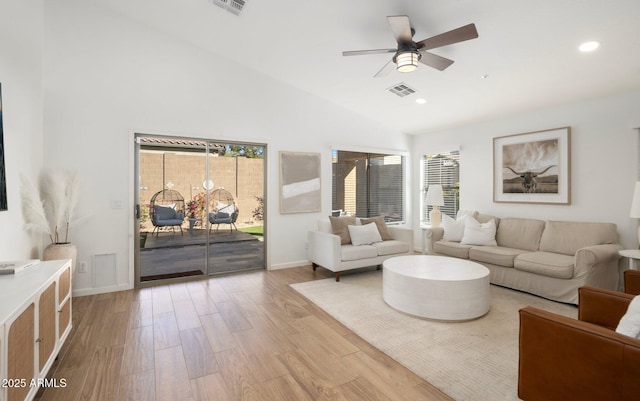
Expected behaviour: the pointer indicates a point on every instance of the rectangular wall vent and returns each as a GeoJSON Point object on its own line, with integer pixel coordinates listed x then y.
{"type": "Point", "coordinates": [104, 270]}
{"type": "Point", "coordinates": [401, 89]}
{"type": "Point", "coordinates": [233, 6]}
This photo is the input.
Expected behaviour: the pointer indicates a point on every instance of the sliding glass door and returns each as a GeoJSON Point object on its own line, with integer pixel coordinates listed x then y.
{"type": "Point", "coordinates": [198, 207]}
{"type": "Point", "coordinates": [236, 208]}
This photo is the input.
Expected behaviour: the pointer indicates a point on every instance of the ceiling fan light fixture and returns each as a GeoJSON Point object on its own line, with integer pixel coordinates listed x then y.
{"type": "Point", "coordinates": [407, 60]}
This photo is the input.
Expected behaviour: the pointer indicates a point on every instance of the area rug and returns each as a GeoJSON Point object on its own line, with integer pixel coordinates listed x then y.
{"type": "Point", "coordinates": [475, 360]}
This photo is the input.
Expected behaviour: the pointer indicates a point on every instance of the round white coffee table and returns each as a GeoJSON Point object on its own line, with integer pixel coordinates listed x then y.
{"type": "Point", "coordinates": [436, 287]}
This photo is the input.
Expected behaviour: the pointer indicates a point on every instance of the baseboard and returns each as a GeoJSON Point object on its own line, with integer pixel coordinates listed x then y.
{"type": "Point", "coordinates": [101, 290]}
{"type": "Point", "coordinates": [289, 265]}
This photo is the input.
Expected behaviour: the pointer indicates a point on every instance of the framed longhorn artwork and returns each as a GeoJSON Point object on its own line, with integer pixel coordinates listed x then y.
{"type": "Point", "coordinates": [534, 167]}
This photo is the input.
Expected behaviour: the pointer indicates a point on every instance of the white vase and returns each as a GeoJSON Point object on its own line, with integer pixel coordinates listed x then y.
{"type": "Point", "coordinates": [65, 250]}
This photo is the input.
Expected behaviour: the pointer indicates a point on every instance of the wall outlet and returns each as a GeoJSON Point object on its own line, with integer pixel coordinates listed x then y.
{"type": "Point", "coordinates": [83, 267]}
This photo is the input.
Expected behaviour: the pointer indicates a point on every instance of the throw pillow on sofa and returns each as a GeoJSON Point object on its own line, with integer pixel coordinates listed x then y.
{"type": "Point", "coordinates": [476, 233]}
{"type": "Point", "coordinates": [365, 234]}
{"type": "Point", "coordinates": [339, 227]}
{"type": "Point", "coordinates": [630, 323]}
{"type": "Point", "coordinates": [382, 226]}
{"type": "Point", "coordinates": [453, 229]}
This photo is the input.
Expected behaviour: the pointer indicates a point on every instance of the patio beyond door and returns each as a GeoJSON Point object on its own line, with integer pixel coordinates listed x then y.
{"type": "Point", "coordinates": [200, 207]}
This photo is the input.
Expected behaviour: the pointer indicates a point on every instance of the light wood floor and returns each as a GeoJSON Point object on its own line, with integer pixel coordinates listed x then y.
{"type": "Point", "coordinates": [247, 336]}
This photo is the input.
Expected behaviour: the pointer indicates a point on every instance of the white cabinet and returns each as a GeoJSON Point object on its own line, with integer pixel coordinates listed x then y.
{"type": "Point", "coordinates": [35, 320]}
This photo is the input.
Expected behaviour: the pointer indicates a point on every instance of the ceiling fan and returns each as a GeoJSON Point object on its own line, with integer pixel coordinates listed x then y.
{"type": "Point", "coordinates": [409, 53]}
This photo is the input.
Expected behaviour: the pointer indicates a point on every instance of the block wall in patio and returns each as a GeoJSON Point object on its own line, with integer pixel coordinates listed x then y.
{"type": "Point", "coordinates": [241, 176]}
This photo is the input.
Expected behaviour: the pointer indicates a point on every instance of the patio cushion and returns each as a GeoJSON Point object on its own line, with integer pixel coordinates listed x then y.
{"type": "Point", "coordinates": [163, 212]}
{"type": "Point", "coordinates": [219, 218]}
{"type": "Point", "coordinates": [169, 222]}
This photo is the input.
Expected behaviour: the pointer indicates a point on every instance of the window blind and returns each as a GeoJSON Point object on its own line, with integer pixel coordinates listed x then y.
{"type": "Point", "coordinates": [369, 184]}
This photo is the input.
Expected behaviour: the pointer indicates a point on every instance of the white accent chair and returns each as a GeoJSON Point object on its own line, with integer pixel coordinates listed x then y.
{"type": "Point", "coordinates": [326, 251]}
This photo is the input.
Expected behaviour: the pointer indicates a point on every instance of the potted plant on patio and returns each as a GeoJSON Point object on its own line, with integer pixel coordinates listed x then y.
{"type": "Point", "coordinates": [50, 210]}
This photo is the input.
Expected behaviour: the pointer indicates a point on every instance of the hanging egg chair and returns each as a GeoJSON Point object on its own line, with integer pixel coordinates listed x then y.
{"type": "Point", "coordinates": [166, 209]}
{"type": "Point", "coordinates": [222, 209]}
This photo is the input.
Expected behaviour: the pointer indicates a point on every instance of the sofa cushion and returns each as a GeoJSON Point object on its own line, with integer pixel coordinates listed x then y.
{"type": "Point", "coordinates": [546, 264]}
{"type": "Point", "coordinates": [450, 248]}
{"type": "Point", "coordinates": [485, 218]}
{"type": "Point", "coordinates": [351, 252]}
{"type": "Point", "coordinates": [391, 247]}
{"type": "Point", "coordinates": [366, 234]}
{"type": "Point", "coordinates": [382, 226]}
{"type": "Point", "coordinates": [340, 225]}
{"type": "Point", "coordinates": [496, 255]}
{"type": "Point", "coordinates": [476, 233]}
{"type": "Point", "coordinates": [567, 237]}
{"type": "Point", "coordinates": [520, 233]}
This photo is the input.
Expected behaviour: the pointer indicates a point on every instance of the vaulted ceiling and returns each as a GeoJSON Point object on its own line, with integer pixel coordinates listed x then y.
{"type": "Point", "coordinates": [526, 56]}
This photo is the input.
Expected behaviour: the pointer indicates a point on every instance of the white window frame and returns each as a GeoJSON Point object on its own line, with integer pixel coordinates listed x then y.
{"type": "Point", "coordinates": [451, 190]}
{"type": "Point", "coordinates": [405, 171]}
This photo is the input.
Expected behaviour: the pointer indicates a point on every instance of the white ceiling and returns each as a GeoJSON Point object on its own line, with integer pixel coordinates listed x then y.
{"type": "Point", "coordinates": [527, 50]}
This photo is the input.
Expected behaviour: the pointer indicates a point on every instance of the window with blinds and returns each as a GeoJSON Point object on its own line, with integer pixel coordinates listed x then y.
{"type": "Point", "coordinates": [368, 185]}
{"type": "Point", "coordinates": [443, 169]}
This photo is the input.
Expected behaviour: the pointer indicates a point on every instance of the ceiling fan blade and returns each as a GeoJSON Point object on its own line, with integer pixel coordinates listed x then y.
{"type": "Point", "coordinates": [401, 27]}
{"type": "Point", "coordinates": [362, 52]}
{"type": "Point", "coordinates": [448, 38]}
{"type": "Point", "coordinates": [435, 61]}
{"type": "Point", "coordinates": [384, 71]}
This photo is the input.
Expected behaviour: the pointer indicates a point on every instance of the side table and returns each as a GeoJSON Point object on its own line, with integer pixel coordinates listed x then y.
{"type": "Point", "coordinates": [633, 255]}
{"type": "Point", "coordinates": [426, 235]}
{"type": "Point", "coordinates": [192, 222]}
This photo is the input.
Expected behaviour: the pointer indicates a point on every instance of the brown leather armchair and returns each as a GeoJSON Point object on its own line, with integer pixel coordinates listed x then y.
{"type": "Point", "coordinates": [567, 359]}
{"type": "Point", "coordinates": [632, 282]}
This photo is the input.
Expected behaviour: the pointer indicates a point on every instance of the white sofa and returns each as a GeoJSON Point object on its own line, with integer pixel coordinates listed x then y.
{"type": "Point", "coordinates": [325, 248]}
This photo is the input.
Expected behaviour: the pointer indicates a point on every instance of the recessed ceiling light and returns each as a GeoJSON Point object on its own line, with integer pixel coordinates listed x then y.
{"type": "Point", "coordinates": [421, 101]}
{"type": "Point", "coordinates": [589, 46]}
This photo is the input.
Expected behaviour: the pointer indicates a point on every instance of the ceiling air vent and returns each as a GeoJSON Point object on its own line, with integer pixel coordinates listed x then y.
{"type": "Point", "coordinates": [233, 6]}
{"type": "Point", "coordinates": [401, 89]}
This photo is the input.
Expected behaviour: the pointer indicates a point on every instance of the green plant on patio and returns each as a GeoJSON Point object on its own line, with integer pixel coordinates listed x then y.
{"type": "Point", "coordinates": [258, 212]}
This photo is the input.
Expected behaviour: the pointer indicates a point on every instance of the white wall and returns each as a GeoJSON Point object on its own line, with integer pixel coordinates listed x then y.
{"type": "Point", "coordinates": [604, 161]}
{"type": "Point", "coordinates": [21, 27]}
{"type": "Point", "coordinates": [106, 77]}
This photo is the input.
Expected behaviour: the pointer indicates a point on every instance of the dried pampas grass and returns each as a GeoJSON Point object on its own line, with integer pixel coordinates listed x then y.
{"type": "Point", "coordinates": [51, 211]}
{"type": "Point", "coordinates": [32, 209]}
